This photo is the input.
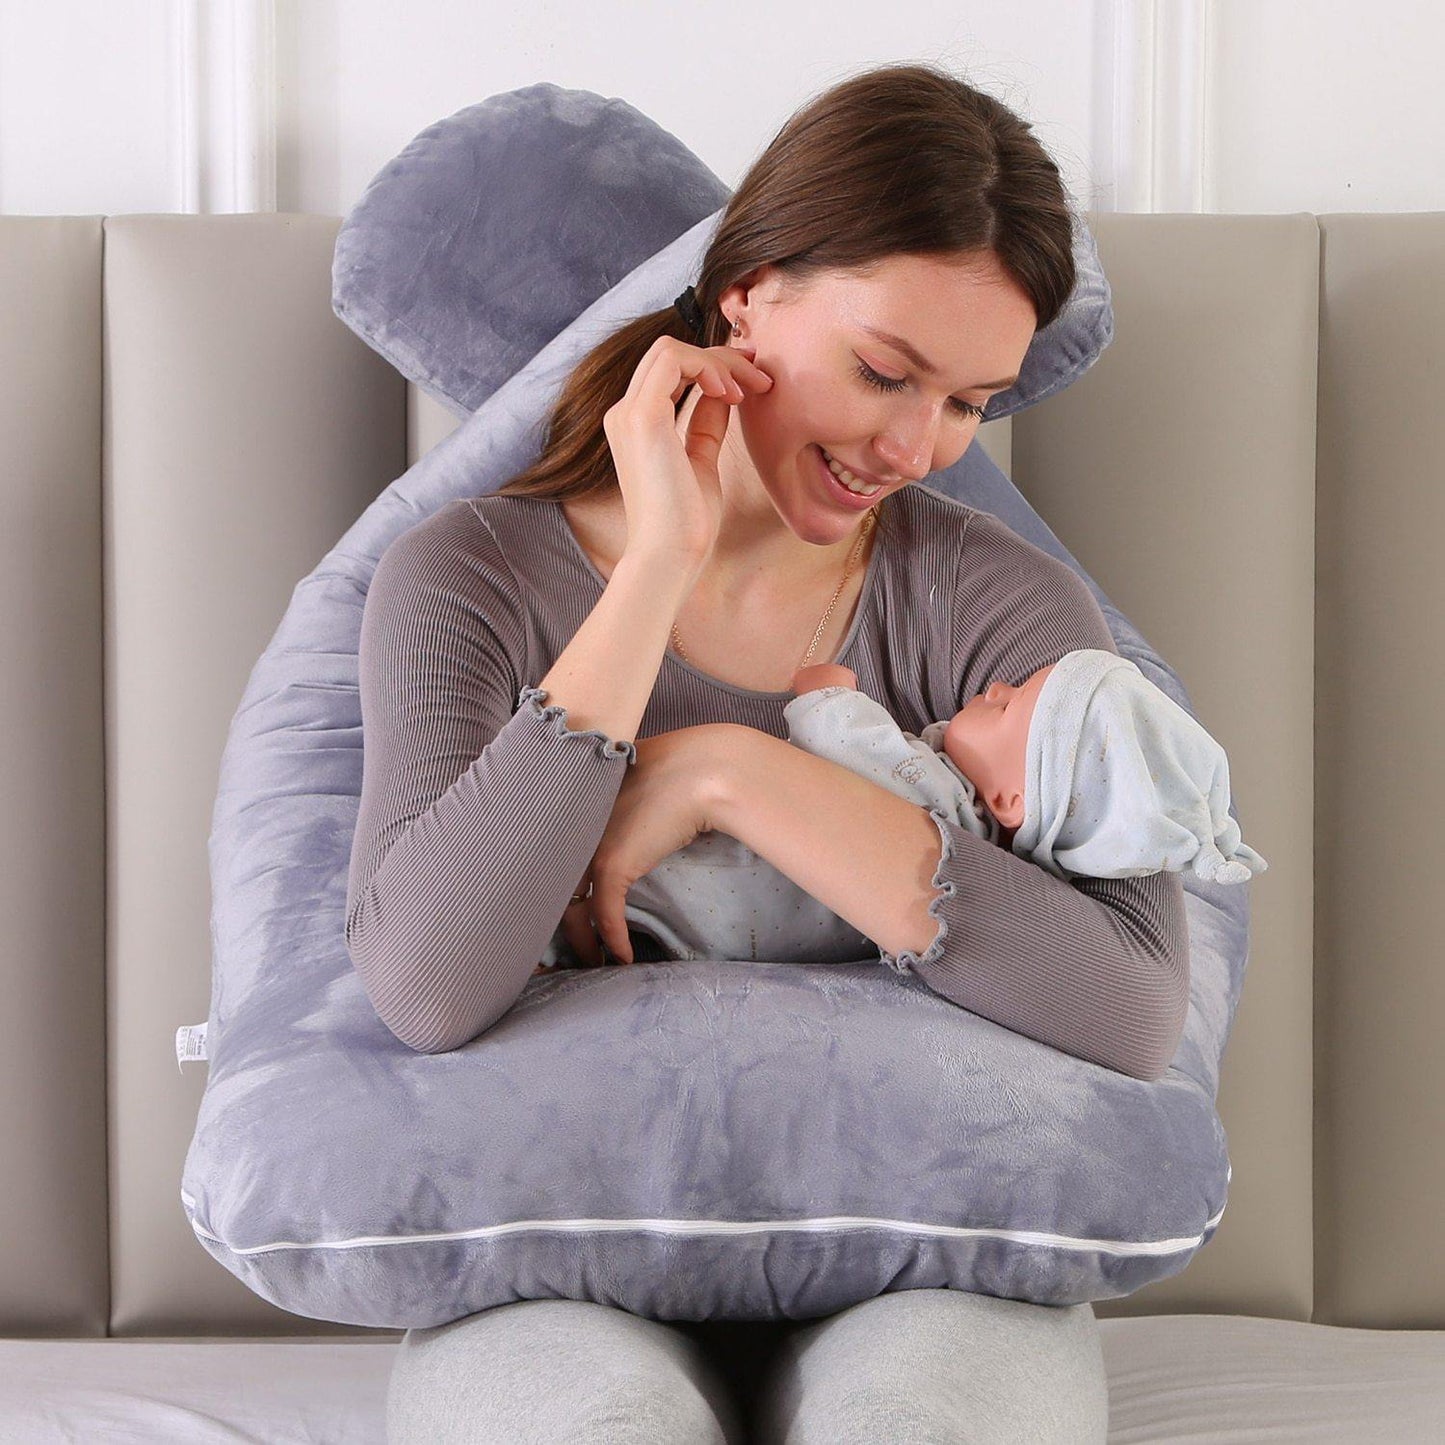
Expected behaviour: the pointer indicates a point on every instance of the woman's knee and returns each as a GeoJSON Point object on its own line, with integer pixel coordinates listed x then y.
{"type": "Point", "coordinates": [935, 1367]}
{"type": "Point", "coordinates": [556, 1371]}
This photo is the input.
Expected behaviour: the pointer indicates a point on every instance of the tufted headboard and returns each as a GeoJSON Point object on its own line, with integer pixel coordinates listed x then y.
{"type": "Point", "coordinates": [186, 430]}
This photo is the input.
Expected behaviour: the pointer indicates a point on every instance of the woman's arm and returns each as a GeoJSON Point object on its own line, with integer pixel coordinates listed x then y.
{"type": "Point", "coordinates": [480, 809]}
{"type": "Point", "coordinates": [859, 849]}
{"type": "Point", "coordinates": [606, 685]}
{"type": "Point", "coordinates": [1097, 967]}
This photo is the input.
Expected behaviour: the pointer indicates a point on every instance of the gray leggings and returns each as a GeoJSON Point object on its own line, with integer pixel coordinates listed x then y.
{"type": "Point", "coordinates": [911, 1367]}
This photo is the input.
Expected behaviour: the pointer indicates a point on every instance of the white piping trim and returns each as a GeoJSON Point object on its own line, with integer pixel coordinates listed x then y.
{"type": "Point", "coordinates": [712, 1227]}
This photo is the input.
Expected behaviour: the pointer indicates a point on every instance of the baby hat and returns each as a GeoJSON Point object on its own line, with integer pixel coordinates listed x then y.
{"type": "Point", "coordinates": [1121, 781]}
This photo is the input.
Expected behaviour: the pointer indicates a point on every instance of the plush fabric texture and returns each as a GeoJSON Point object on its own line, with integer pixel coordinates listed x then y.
{"type": "Point", "coordinates": [691, 1142]}
{"type": "Point", "coordinates": [497, 226]}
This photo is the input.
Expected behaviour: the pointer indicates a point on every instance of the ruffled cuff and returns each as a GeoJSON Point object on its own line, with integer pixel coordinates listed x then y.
{"type": "Point", "coordinates": [536, 698]}
{"type": "Point", "coordinates": [906, 961]}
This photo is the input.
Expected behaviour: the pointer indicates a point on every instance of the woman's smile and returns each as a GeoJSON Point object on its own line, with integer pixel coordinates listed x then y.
{"type": "Point", "coordinates": [851, 478]}
{"type": "Point", "coordinates": [852, 500]}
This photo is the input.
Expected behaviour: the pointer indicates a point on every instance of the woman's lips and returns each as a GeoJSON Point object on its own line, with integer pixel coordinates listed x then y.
{"type": "Point", "coordinates": [867, 477]}
{"type": "Point", "coordinates": [848, 499]}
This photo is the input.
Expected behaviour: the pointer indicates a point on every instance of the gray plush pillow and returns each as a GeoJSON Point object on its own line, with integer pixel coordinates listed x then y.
{"type": "Point", "coordinates": [412, 1188]}
{"type": "Point", "coordinates": [498, 226]}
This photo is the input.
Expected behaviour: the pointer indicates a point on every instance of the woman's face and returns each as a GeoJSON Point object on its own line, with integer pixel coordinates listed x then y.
{"type": "Point", "coordinates": [970, 320]}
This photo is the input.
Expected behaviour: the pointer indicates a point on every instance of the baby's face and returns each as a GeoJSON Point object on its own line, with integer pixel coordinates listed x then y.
{"type": "Point", "coordinates": [988, 742]}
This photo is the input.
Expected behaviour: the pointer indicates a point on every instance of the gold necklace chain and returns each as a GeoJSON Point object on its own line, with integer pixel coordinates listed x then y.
{"type": "Point", "coordinates": [867, 527]}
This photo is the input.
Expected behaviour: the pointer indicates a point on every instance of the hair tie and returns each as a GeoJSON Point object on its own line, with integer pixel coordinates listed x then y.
{"type": "Point", "coordinates": [691, 312]}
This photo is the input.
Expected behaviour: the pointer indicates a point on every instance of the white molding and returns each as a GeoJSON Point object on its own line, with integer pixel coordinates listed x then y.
{"type": "Point", "coordinates": [1128, 103]}
{"type": "Point", "coordinates": [185, 119]}
{"type": "Point", "coordinates": [223, 105]}
{"type": "Point", "coordinates": [1179, 49]}
{"type": "Point", "coordinates": [253, 105]}
{"type": "Point", "coordinates": [1151, 107]}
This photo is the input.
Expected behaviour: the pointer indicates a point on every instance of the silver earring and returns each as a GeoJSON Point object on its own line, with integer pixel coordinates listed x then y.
{"type": "Point", "coordinates": [737, 328]}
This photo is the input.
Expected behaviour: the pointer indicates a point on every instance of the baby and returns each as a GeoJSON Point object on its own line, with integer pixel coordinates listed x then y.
{"type": "Point", "coordinates": [1084, 768]}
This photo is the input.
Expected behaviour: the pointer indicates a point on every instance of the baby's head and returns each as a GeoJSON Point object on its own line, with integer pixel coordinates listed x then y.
{"type": "Point", "coordinates": [1090, 768]}
{"type": "Point", "coordinates": [987, 741]}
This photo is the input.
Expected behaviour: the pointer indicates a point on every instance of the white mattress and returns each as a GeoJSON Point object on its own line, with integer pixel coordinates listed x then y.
{"type": "Point", "coordinates": [1238, 1380]}
{"type": "Point", "coordinates": [1205, 1379]}
{"type": "Point", "coordinates": [203, 1392]}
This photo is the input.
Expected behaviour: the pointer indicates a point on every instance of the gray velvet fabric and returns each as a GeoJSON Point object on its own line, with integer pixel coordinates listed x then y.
{"type": "Point", "coordinates": [715, 1140]}
{"type": "Point", "coordinates": [497, 226]}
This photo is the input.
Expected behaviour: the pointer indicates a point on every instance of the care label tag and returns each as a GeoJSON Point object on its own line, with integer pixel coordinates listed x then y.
{"type": "Point", "coordinates": [191, 1043]}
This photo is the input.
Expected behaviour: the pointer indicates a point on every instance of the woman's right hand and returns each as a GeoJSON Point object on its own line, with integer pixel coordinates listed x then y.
{"type": "Point", "coordinates": [670, 489]}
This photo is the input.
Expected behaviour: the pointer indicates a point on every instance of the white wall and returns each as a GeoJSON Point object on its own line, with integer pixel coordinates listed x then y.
{"type": "Point", "coordinates": [114, 106]}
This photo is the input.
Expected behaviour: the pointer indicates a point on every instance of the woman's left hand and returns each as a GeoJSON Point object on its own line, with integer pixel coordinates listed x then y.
{"type": "Point", "coordinates": [668, 796]}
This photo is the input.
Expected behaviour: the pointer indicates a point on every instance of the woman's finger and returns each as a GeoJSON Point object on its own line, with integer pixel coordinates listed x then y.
{"type": "Point", "coordinates": [609, 914]}
{"type": "Point", "coordinates": [577, 929]}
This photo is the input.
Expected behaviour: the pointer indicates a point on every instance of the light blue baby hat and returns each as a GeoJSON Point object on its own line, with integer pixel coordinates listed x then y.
{"type": "Point", "coordinates": [1121, 781]}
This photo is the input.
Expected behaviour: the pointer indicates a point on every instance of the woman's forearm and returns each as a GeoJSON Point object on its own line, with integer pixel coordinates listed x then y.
{"type": "Point", "coordinates": [860, 850]}
{"type": "Point", "coordinates": [605, 675]}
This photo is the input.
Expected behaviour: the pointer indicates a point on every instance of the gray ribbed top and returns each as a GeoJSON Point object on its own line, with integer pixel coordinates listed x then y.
{"type": "Point", "coordinates": [481, 808]}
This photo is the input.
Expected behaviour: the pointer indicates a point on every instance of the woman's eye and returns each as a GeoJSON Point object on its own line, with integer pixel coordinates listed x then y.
{"type": "Point", "coordinates": [895, 383]}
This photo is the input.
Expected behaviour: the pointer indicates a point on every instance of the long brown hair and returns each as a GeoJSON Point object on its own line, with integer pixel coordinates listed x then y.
{"type": "Point", "coordinates": [904, 158]}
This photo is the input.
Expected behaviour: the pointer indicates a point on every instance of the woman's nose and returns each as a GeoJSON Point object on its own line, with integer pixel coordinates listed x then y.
{"type": "Point", "coordinates": [910, 454]}
{"type": "Point", "coordinates": [911, 463]}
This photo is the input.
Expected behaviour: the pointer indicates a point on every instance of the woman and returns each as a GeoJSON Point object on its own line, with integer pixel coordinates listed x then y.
{"type": "Point", "coordinates": [679, 549]}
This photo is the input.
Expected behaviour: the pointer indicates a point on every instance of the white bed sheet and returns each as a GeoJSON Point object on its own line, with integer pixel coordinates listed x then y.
{"type": "Point", "coordinates": [1210, 1379]}
{"type": "Point", "coordinates": [202, 1392]}
{"type": "Point", "coordinates": [1222, 1379]}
